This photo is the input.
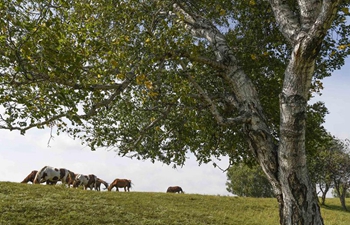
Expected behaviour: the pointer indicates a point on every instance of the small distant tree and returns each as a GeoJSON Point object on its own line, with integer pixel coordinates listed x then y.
{"type": "Point", "coordinates": [335, 193]}
{"type": "Point", "coordinates": [330, 168]}
{"type": "Point", "coordinates": [319, 165]}
{"type": "Point", "coordinates": [243, 180]}
{"type": "Point", "coordinates": [340, 169]}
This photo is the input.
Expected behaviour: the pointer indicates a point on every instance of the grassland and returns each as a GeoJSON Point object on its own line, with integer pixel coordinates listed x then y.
{"type": "Point", "coordinates": [41, 204]}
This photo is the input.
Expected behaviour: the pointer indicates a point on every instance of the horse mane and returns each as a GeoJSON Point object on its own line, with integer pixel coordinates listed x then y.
{"type": "Point", "coordinates": [36, 180]}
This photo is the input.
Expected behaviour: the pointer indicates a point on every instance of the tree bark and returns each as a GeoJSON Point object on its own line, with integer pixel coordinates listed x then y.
{"type": "Point", "coordinates": [324, 194]}
{"type": "Point", "coordinates": [342, 198]}
{"type": "Point", "coordinates": [341, 190]}
{"type": "Point", "coordinates": [298, 201]}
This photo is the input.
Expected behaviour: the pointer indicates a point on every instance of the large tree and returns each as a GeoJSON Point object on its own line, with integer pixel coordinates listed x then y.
{"type": "Point", "coordinates": [158, 79]}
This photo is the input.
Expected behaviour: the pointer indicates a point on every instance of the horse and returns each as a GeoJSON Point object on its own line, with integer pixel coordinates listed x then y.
{"type": "Point", "coordinates": [70, 178]}
{"type": "Point", "coordinates": [48, 173]}
{"type": "Point", "coordinates": [120, 183]}
{"type": "Point", "coordinates": [88, 181]}
{"type": "Point", "coordinates": [31, 176]}
{"type": "Point", "coordinates": [98, 184]}
{"type": "Point", "coordinates": [175, 189]}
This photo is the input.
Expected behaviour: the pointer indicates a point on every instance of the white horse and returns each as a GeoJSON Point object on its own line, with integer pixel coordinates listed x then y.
{"type": "Point", "coordinates": [48, 173]}
{"type": "Point", "coordinates": [88, 181]}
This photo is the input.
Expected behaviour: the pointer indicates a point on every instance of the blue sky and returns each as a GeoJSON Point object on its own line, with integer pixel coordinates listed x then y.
{"type": "Point", "coordinates": [336, 96]}
{"type": "Point", "coordinates": [19, 155]}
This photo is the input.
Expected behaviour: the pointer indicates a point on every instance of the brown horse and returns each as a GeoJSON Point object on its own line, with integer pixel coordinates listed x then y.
{"type": "Point", "coordinates": [98, 184]}
{"type": "Point", "coordinates": [175, 189]}
{"type": "Point", "coordinates": [120, 183]}
{"type": "Point", "coordinates": [31, 176]}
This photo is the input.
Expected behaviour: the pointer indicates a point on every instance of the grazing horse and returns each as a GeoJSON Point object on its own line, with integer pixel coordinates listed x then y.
{"type": "Point", "coordinates": [120, 183]}
{"type": "Point", "coordinates": [175, 189]}
{"type": "Point", "coordinates": [70, 178]}
{"type": "Point", "coordinates": [48, 173]}
{"type": "Point", "coordinates": [31, 176]}
{"type": "Point", "coordinates": [98, 184]}
{"type": "Point", "coordinates": [88, 181]}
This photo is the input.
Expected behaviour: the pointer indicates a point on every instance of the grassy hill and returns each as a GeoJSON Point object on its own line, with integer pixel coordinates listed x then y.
{"type": "Point", "coordinates": [41, 204]}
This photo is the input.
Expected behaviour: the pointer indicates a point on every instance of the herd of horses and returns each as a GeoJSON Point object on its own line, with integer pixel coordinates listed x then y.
{"type": "Point", "coordinates": [51, 176]}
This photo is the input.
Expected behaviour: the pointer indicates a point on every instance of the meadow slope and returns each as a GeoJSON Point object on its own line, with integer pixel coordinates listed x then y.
{"type": "Point", "coordinates": [41, 204]}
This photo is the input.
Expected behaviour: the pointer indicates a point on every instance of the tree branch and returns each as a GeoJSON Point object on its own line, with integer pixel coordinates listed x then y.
{"type": "Point", "coordinates": [288, 22]}
{"type": "Point", "coordinates": [243, 118]}
{"type": "Point", "coordinates": [86, 116]}
{"type": "Point", "coordinates": [152, 124]}
{"type": "Point", "coordinates": [308, 12]}
{"type": "Point", "coordinates": [325, 18]}
{"type": "Point", "coordinates": [106, 102]}
{"type": "Point", "coordinates": [38, 124]}
{"type": "Point", "coordinates": [201, 28]}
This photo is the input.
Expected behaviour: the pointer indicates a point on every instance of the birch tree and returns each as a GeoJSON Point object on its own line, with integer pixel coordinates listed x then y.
{"type": "Point", "coordinates": [160, 79]}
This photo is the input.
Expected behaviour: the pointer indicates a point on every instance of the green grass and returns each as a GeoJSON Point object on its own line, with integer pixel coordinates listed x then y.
{"type": "Point", "coordinates": [41, 204]}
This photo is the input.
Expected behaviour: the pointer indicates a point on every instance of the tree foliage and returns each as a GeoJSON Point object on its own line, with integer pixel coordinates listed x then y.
{"type": "Point", "coordinates": [121, 80]}
{"type": "Point", "coordinates": [246, 181]}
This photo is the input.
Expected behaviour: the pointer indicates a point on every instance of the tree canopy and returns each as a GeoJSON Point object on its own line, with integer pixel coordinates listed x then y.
{"type": "Point", "coordinates": [121, 74]}
{"type": "Point", "coordinates": [246, 181]}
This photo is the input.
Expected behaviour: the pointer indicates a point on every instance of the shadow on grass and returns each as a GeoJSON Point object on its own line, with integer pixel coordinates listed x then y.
{"type": "Point", "coordinates": [335, 208]}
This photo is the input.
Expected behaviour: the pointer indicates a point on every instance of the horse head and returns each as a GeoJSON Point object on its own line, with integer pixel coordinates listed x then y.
{"type": "Point", "coordinates": [30, 177]}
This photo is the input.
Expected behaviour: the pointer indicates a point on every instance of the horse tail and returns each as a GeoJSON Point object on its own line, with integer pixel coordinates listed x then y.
{"type": "Point", "coordinates": [129, 183]}
{"type": "Point", "coordinates": [105, 184]}
{"type": "Point", "coordinates": [38, 176]}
